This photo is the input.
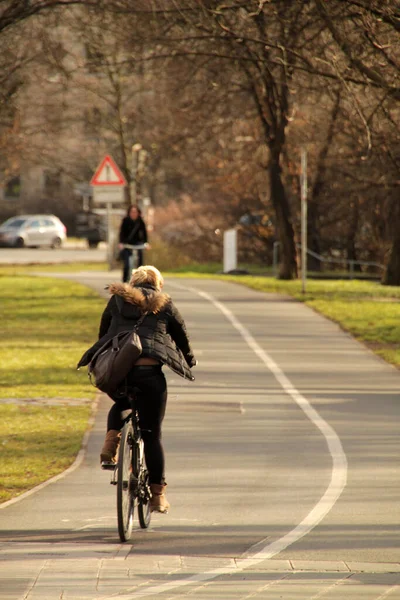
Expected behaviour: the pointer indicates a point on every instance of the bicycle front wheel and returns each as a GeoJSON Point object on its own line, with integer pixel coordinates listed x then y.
{"type": "Point", "coordinates": [125, 497]}
{"type": "Point", "coordinates": [143, 488]}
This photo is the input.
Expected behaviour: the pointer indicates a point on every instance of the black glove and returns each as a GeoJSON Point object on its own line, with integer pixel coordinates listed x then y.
{"type": "Point", "coordinates": [85, 360]}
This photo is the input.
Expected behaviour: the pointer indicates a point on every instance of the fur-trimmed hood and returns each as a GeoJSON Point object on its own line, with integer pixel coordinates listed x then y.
{"type": "Point", "coordinates": [163, 336]}
{"type": "Point", "coordinates": [146, 298]}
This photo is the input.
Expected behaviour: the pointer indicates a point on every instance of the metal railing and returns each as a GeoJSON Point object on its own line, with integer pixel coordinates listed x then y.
{"type": "Point", "coordinates": [342, 261]}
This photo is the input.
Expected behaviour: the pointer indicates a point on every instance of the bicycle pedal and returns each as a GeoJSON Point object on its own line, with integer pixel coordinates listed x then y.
{"type": "Point", "coordinates": [108, 466]}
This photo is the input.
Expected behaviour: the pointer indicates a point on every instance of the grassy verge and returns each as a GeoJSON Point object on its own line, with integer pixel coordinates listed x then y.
{"type": "Point", "coordinates": [37, 443]}
{"type": "Point", "coordinates": [46, 325]}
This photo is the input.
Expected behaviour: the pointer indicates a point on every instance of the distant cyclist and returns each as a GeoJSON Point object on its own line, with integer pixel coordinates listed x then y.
{"type": "Point", "coordinates": [132, 232]}
{"type": "Point", "coordinates": [165, 341]}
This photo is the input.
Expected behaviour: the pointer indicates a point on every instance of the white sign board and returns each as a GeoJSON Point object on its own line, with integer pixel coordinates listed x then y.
{"type": "Point", "coordinates": [105, 195]}
{"type": "Point", "coordinates": [230, 250]}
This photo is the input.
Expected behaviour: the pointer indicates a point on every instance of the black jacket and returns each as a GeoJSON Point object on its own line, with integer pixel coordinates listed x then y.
{"type": "Point", "coordinates": [162, 333]}
{"type": "Point", "coordinates": [132, 231]}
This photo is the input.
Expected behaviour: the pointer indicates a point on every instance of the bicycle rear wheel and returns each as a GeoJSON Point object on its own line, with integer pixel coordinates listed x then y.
{"type": "Point", "coordinates": [125, 497]}
{"type": "Point", "coordinates": [143, 488]}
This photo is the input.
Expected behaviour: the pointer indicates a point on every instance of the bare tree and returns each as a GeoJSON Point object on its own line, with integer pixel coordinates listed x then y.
{"type": "Point", "coordinates": [17, 51]}
{"type": "Point", "coordinates": [223, 95]}
{"type": "Point", "coordinates": [259, 45]}
{"type": "Point", "coordinates": [14, 12]}
{"type": "Point", "coordinates": [365, 34]}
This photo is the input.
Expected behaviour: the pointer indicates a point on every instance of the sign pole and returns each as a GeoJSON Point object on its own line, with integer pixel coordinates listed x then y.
{"type": "Point", "coordinates": [136, 148]}
{"type": "Point", "coordinates": [109, 237]}
{"type": "Point", "coordinates": [108, 185]}
{"type": "Point", "coordinates": [303, 180]}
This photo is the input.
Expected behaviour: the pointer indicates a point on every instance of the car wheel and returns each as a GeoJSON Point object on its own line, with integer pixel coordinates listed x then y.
{"type": "Point", "coordinates": [19, 242]}
{"type": "Point", "coordinates": [93, 243]}
{"type": "Point", "coordinates": [56, 243]}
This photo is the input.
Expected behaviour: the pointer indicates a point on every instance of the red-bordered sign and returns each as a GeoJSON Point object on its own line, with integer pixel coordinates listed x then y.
{"type": "Point", "coordinates": [108, 174]}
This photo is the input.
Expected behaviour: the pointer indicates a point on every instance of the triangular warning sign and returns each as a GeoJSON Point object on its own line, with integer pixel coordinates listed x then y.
{"type": "Point", "coordinates": [107, 173]}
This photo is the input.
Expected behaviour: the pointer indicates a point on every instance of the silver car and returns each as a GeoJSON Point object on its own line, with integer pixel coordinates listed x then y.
{"type": "Point", "coordinates": [33, 230]}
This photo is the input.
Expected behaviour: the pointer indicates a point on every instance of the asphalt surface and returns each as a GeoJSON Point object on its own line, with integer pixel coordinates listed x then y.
{"type": "Point", "coordinates": [282, 470]}
{"type": "Point", "coordinates": [72, 251]}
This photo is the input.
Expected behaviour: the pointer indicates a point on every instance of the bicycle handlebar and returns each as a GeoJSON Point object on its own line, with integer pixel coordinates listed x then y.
{"type": "Point", "coordinates": [135, 246]}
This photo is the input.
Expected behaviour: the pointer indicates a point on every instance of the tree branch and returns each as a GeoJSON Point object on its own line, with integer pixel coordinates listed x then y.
{"type": "Point", "coordinates": [371, 74]}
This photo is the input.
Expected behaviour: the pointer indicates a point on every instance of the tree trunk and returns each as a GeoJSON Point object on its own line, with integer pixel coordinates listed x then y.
{"type": "Point", "coordinates": [313, 213]}
{"type": "Point", "coordinates": [392, 273]}
{"type": "Point", "coordinates": [288, 264]}
{"type": "Point", "coordinates": [313, 238]}
{"type": "Point", "coordinates": [351, 253]}
{"type": "Point", "coordinates": [351, 236]}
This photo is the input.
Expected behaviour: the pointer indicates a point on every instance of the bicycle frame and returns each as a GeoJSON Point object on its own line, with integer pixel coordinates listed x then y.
{"type": "Point", "coordinates": [133, 259]}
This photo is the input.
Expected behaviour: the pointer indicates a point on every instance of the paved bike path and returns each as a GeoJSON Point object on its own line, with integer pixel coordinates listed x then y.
{"type": "Point", "coordinates": [245, 467]}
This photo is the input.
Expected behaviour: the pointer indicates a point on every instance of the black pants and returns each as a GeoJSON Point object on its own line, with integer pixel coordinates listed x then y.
{"type": "Point", "coordinates": [128, 260]}
{"type": "Point", "coordinates": [151, 400]}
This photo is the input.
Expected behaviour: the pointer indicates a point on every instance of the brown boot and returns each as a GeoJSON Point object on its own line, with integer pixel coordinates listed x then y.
{"type": "Point", "coordinates": [110, 446]}
{"type": "Point", "coordinates": [158, 500]}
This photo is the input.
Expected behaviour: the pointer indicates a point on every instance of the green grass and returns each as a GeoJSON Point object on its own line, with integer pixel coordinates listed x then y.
{"type": "Point", "coordinates": [46, 325]}
{"type": "Point", "coordinates": [216, 268]}
{"type": "Point", "coordinates": [37, 443]}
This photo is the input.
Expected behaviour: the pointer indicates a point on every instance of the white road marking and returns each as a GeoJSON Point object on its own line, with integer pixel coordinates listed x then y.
{"type": "Point", "coordinates": [329, 588]}
{"type": "Point", "coordinates": [394, 588]}
{"type": "Point", "coordinates": [320, 510]}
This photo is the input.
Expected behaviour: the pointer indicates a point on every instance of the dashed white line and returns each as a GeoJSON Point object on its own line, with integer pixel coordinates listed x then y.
{"type": "Point", "coordinates": [388, 592]}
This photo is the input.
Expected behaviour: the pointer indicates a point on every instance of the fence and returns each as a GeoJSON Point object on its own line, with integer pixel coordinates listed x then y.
{"type": "Point", "coordinates": [338, 261]}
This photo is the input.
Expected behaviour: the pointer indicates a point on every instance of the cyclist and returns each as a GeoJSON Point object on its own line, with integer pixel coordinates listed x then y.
{"type": "Point", "coordinates": [165, 341]}
{"type": "Point", "coordinates": [133, 232]}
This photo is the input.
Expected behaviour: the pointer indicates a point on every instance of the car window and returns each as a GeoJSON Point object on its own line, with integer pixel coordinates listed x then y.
{"type": "Point", "coordinates": [35, 224]}
{"type": "Point", "coordinates": [15, 223]}
{"type": "Point", "coordinates": [48, 223]}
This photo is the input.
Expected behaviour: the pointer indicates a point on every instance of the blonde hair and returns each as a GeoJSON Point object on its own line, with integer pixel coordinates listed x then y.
{"type": "Point", "coordinates": [147, 274]}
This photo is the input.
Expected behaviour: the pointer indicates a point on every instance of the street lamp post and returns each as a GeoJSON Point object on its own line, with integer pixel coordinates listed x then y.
{"type": "Point", "coordinates": [303, 179]}
{"type": "Point", "coordinates": [136, 148]}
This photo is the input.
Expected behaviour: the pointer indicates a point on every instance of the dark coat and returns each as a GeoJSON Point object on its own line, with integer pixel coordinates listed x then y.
{"type": "Point", "coordinates": [132, 231]}
{"type": "Point", "coordinates": [162, 333]}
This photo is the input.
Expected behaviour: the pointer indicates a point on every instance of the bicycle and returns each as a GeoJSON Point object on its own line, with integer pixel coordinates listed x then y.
{"type": "Point", "coordinates": [131, 477]}
{"type": "Point", "coordinates": [134, 258]}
